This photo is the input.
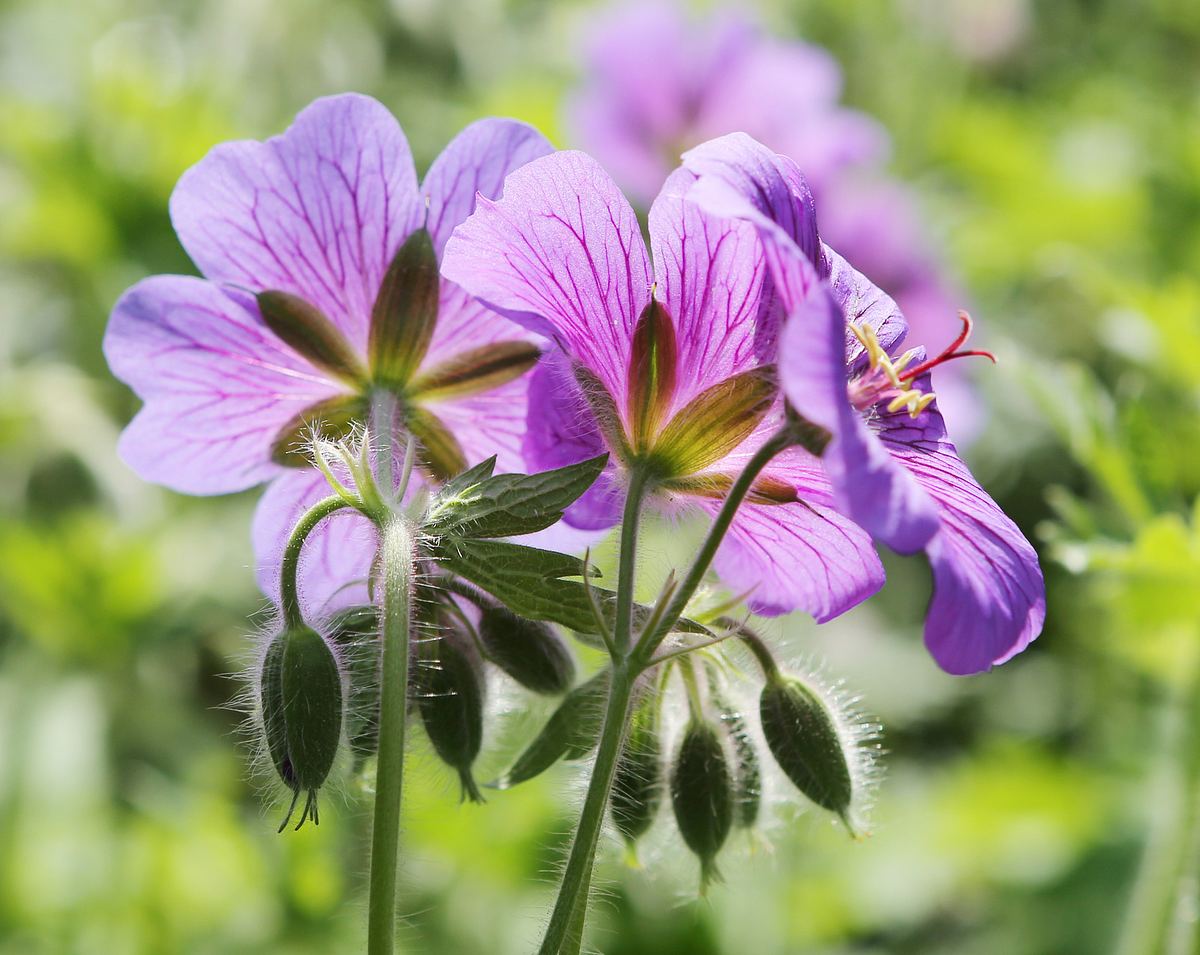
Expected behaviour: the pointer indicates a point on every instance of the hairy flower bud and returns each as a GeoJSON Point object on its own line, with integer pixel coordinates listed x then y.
{"type": "Point", "coordinates": [702, 794]}
{"type": "Point", "coordinates": [355, 633]}
{"type": "Point", "coordinates": [802, 733]}
{"type": "Point", "coordinates": [747, 770]}
{"type": "Point", "coordinates": [527, 650]}
{"type": "Point", "coordinates": [637, 779]}
{"type": "Point", "coordinates": [302, 703]}
{"type": "Point", "coordinates": [571, 732]}
{"type": "Point", "coordinates": [451, 702]}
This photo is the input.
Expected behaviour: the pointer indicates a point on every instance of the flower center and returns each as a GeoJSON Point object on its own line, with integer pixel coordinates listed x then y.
{"type": "Point", "coordinates": [890, 379]}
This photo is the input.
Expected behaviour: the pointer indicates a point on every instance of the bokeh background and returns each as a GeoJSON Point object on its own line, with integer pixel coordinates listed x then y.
{"type": "Point", "coordinates": [1048, 808]}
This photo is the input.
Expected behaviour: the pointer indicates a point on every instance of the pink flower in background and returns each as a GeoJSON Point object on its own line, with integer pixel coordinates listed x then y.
{"type": "Point", "coordinates": [670, 369]}
{"type": "Point", "coordinates": [657, 83]}
{"type": "Point", "coordinates": [319, 250]}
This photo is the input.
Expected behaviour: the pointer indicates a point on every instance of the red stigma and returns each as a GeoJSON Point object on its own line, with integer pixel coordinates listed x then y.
{"type": "Point", "coordinates": [951, 351]}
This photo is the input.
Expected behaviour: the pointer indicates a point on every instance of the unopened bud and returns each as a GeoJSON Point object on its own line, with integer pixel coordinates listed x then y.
{"type": "Point", "coordinates": [451, 702]}
{"type": "Point", "coordinates": [747, 770]}
{"type": "Point", "coordinates": [702, 794]}
{"type": "Point", "coordinates": [527, 650]}
{"type": "Point", "coordinates": [637, 779]}
{"type": "Point", "coordinates": [802, 733]}
{"type": "Point", "coordinates": [571, 732]}
{"type": "Point", "coordinates": [355, 632]}
{"type": "Point", "coordinates": [302, 703]}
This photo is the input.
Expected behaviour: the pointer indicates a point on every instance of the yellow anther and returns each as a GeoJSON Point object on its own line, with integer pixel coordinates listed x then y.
{"type": "Point", "coordinates": [867, 338]}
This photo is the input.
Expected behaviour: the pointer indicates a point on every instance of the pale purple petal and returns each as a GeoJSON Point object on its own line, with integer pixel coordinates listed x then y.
{"type": "Point", "coordinates": [863, 303]}
{"type": "Point", "coordinates": [562, 253]}
{"type": "Point", "coordinates": [318, 212]}
{"type": "Point", "coordinates": [490, 422]}
{"type": "Point", "coordinates": [336, 561]}
{"type": "Point", "coordinates": [465, 323]}
{"type": "Point", "coordinates": [476, 161]}
{"type": "Point", "coordinates": [709, 274]}
{"type": "Point", "coordinates": [218, 386]}
{"type": "Point", "coordinates": [989, 598]}
{"type": "Point", "coordinates": [562, 431]}
{"type": "Point", "coordinates": [796, 557]}
{"type": "Point", "coordinates": [871, 488]}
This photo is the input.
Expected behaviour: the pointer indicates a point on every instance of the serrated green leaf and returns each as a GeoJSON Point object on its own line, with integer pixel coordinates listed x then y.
{"type": "Point", "coordinates": [506, 505]}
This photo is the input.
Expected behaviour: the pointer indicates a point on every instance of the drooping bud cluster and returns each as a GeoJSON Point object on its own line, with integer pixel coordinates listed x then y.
{"type": "Point", "coordinates": [301, 703]}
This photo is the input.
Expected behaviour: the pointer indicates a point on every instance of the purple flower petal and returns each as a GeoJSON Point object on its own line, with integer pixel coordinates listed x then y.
{"type": "Point", "coordinates": [336, 561]}
{"type": "Point", "coordinates": [871, 488]}
{"type": "Point", "coordinates": [989, 598]}
{"type": "Point", "coordinates": [476, 162]}
{"type": "Point", "coordinates": [318, 212]}
{"type": "Point", "coordinates": [863, 303]}
{"type": "Point", "coordinates": [562, 253]}
{"type": "Point", "coordinates": [562, 431]}
{"type": "Point", "coordinates": [218, 386]}
{"type": "Point", "coordinates": [710, 276]}
{"type": "Point", "coordinates": [797, 557]}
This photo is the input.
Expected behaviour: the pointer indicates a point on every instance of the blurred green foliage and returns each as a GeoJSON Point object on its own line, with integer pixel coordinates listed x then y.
{"type": "Point", "coordinates": [1057, 150]}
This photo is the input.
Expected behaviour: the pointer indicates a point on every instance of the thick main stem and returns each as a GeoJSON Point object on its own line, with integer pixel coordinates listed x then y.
{"type": "Point", "coordinates": [396, 559]}
{"type": "Point", "coordinates": [576, 877]}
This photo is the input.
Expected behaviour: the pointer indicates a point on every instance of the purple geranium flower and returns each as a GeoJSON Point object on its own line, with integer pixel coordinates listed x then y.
{"type": "Point", "coordinates": [894, 469]}
{"type": "Point", "coordinates": [658, 82]}
{"type": "Point", "coordinates": [319, 251]}
{"type": "Point", "coordinates": [677, 375]}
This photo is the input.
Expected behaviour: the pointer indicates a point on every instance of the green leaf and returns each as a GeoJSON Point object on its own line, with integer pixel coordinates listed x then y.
{"type": "Point", "coordinates": [529, 581]}
{"type": "Point", "coordinates": [506, 505]}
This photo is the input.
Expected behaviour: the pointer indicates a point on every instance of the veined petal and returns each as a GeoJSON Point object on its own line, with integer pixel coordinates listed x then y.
{"type": "Point", "coordinates": [738, 177]}
{"type": "Point", "coordinates": [561, 431]}
{"type": "Point", "coordinates": [797, 557]}
{"type": "Point", "coordinates": [476, 162]}
{"type": "Point", "coordinates": [219, 387]}
{"type": "Point", "coordinates": [989, 597]}
{"type": "Point", "coordinates": [871, 488]}
{"type": "Point", "coordinates": [710, 275]}
{"type": "Point", "coordinates": [863, 303]}
{"type": "Point", "coordinates": [336, 561]}
{"type": "Point", "coordinates": [317, 212]}
{"type": "Point", "coordinates": [561, 253]}
{"type": "Point", "coordinates": [489, 422]}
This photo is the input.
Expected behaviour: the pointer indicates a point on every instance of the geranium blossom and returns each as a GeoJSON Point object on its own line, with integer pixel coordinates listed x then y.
{"type": "Point", "coordinates": [672, 371]}
{"type": "Point", "coordinates": [319, 253]}
{"type": "Point", "coordinates": [894, 469]}
{"type": "Point", "coordinates": [657, 81]}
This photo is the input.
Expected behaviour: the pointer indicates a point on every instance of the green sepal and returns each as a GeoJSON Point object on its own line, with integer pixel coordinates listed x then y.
{"type": "Point", "coordinates": [307, 329]}
{"type": "Point", "coordinates": [405, 312]}
{"type": "Point", "coordinates": [653, 360]}
{"type": "Point", "coordinates": [474, 371]}
{"type": "Point", "coordinates": [715, 422]}
{"type": "Point", "coordinates": [332, 419]}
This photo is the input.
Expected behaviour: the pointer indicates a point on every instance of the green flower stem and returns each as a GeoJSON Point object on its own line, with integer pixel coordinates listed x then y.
{"type": "Point", "coordinates": [576, 878]}
{"type": "Point", "coordinates": [639, 485]}
{"type": "Point", "coordinates": [383, 419]}
{"type": "Point", "coordinates": [396, 560]}
{"type": "Point", "coordinates": [289, 598]}
{"type": "Point", "coordinates": [650, 640]}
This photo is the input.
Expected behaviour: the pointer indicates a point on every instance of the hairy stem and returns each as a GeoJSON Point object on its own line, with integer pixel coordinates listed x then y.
{"type": "Point", "coordinates": [650, 640]}
{"type": "Point", "coordinates": [289, 597]}
{"type": "Point", "coordinates": [396, 559]}
{"type": "Point", "coordinates": [565, 921]}
{"type": "Point", "coordinates": [639, 484]}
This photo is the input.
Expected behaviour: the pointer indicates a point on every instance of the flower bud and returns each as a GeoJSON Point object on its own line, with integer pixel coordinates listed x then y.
{"type": "Point", "coordinates": [637, 779]}
{"type": "Point", "coordinates": [702, 794]}
{"type": "Point", "coordinates": [302, 703]}
{"type": "Point", "coordinates": [451, 702]}
{"type": "Point", "coordinates": [571, 732]}
{"type": "Point", "coordinates": [802, 733]}
{"type": "Point", "coordinates": [527, 650]}
{"type": "Point", "coordinates": [747, 771]}
{"type": "Point", "coordinates": [355, 633]}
